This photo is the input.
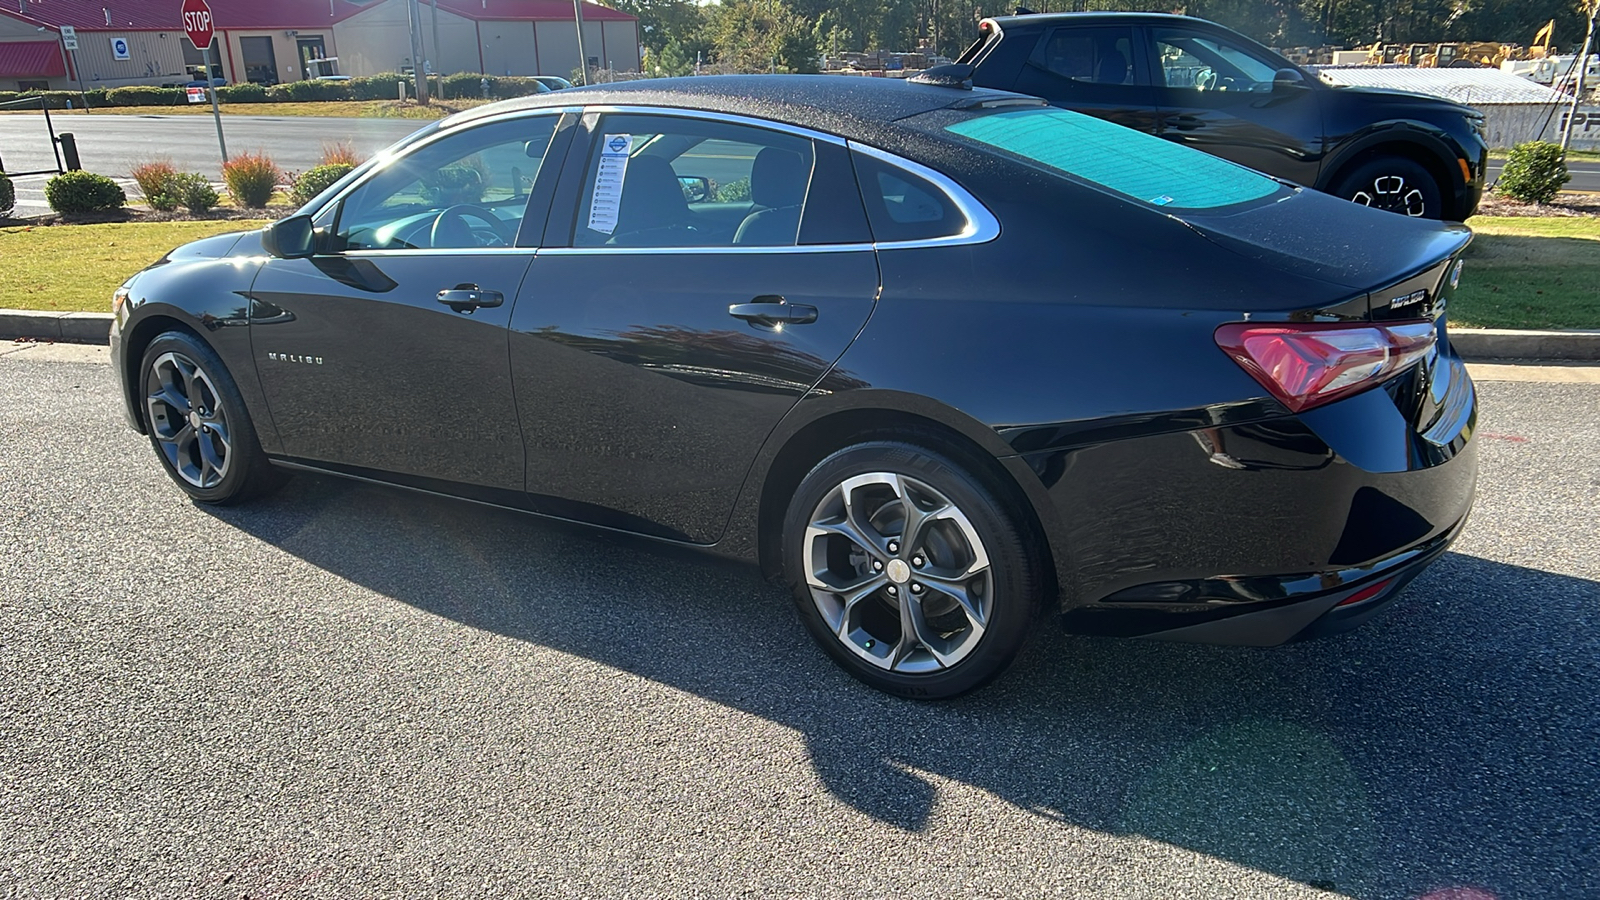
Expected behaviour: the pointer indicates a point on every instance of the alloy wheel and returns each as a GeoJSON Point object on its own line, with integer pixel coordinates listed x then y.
{"type": "Point", "coordinates": [1392, 193]}
{"type": "Point", "coordinates": [188, 420]}
{"type": "Point", "coordinates": [898, 573]}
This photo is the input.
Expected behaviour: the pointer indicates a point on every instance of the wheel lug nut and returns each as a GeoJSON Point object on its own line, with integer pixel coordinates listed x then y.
{"type": "Point", "coordinates": [892, 591]}
{"type": "Point", "coordinates": [916, 589]}
{"type": "Point", "coordinates": [916, 561]}
{"type": "Point", "coordinates": [877, 565]}
{"type": "Point", "coordinates": [894, 547]}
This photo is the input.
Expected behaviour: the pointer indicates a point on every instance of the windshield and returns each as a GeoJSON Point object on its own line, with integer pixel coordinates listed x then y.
{"type": "Point", "coordinates": [1142, 167]}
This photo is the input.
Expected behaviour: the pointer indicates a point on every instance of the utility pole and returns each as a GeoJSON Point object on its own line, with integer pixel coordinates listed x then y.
{"type": "Point", "coordinates": [438, 53]}
{"type": "Point", "coordinates": [1582, 65]}
{"type": "Point", "coordinates": [583, 59]}
{"type": "Point", "coordinates": [415, 16]}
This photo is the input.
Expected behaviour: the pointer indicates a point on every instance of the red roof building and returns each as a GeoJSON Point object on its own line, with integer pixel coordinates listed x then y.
{"type": "Point", "coordinates": [123, 42]}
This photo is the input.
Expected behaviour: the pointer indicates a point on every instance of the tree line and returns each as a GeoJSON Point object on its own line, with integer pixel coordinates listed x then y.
{"type": "Point", "coordinates": [792, 35]}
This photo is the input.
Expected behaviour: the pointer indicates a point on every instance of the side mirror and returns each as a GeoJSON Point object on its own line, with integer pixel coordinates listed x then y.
{"type": "Point", "coordinates": [696, 188]}
{"type": "Point", "coordinates": [291, 238]}
{"type": "Point", "coordinates": [1285, 80]}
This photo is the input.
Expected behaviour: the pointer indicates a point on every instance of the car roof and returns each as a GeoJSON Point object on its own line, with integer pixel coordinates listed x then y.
{"type": "Point", "coordinates": [1082, 18]}
{"type": "Point", "coordinates": [847, 106]}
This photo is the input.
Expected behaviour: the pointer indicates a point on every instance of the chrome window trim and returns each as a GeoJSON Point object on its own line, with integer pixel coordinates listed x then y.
{"type": "Point", "coordinates": [707, 251]}
{"type": "Point", "coordinates": [982, 226]}
{"type": "Point", "coordinates": [714, 116]}
{"type": "Point", "coordinates": [440, 251]}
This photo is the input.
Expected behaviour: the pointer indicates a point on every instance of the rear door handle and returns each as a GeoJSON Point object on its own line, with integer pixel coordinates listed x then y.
{"type": "Point", "coordinates": [771, 310]}
{"type": "Point", "coordinates": [1185, 123]}
{"type": "Point", "coordinates": [464, 298]}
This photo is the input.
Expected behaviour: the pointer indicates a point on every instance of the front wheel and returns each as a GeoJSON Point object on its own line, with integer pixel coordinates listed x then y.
{"type": "Point", "coordinates": [198, 424]}
{"type": "Point", "coordinates": [908, 572]}
{"type": "Point", "coordinates": [1393, 184]}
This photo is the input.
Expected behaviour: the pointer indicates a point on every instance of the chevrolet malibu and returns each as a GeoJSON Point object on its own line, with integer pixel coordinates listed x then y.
{"type": "Point", "coordinates": [941, 359]}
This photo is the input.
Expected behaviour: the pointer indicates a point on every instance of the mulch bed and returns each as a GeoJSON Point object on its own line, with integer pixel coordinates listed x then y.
{"type": "Point", "coordinates": [1565, 205]}
{"type": "Point", "coordinates": [135, 214]}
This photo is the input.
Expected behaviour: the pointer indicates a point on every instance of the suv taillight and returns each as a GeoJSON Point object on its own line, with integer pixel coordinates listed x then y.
{"type": "Point", "coordinates": [1311, 364]}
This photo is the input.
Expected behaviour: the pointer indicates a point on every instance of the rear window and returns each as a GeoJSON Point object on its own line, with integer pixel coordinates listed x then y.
{"type": "Point", "coordinates": [1137, 165]}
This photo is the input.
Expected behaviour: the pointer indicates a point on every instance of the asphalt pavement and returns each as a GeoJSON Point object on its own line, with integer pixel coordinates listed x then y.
{"type": "Point", "coordinates": [347, 690]}
{"type": "Point", "coordinates": [114, 144]}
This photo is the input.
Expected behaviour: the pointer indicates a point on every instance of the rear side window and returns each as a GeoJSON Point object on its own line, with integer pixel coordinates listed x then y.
{"type": "Point", "coordinates": [1140, 166]}
{"type": "Point", "coordinates": [902, 206]}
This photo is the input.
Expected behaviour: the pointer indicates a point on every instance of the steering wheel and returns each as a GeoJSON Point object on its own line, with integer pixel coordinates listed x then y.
{"type": "Point", "coordinates": [1206, 79]}
{"type": "Point", "coordinates": [451, 229]}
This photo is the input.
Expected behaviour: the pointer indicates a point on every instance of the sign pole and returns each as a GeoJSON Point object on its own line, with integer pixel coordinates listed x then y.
{"type": "Point", "coordinates": [200, 28]}
{"type": "Point", "coordinates": [216, 113]}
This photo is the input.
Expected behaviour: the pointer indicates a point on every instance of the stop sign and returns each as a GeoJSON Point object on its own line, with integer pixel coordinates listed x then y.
{"type": "Point", "coordinates": [197, 23]}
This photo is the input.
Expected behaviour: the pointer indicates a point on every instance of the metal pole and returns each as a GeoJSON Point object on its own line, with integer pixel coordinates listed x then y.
{"type": "Point", "coordinates": [438, 53]}
{"type": "Point", "coordinates": [1582, 64]}
{"type": "Point", "coordinates": [77, 75]}
{"type": "Point", "coordinates": [583, 59]}
{"type": "Point", "coordinates": [44, 106]}
{"type": "Point", "coordinates": [211, 91]}
{"type": "Point", "coordinates": [415, 17]}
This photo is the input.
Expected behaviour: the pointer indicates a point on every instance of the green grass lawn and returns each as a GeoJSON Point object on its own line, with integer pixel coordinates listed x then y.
{"type": "Point", "coordinates": [1530, 273]}
{"type": "Point", "coordinates": [75, 268]}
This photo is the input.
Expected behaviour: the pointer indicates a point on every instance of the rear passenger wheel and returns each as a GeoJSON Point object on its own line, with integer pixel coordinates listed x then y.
{"type": "Point", "coordinates": [907, 571]}
{"type": "Point", "coordinates": [1393, 184]}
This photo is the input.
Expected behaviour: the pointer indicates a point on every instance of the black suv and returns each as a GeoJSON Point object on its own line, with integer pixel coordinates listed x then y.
{"type": "Point", "coordinates": [1216, 90]}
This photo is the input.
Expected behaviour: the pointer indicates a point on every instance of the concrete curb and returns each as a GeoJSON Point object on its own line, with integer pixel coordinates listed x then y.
{"type": "Point", "coordinates": [69, 327]}
{"type": "Point", "coordinates": [1507, 343]}
{"type": "Point", "coordinates": [1472, 343]}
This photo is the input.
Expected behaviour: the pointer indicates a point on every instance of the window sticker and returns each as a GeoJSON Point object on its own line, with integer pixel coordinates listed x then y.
{"type": "Point", "coordinates": [608, 179]}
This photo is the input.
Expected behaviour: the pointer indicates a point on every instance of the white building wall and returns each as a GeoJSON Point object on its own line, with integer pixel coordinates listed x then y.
{"type": "Point", "coordinates": [1511, 124]}
{"type": "Point", "coordinates": [156, 57]}
{"type": "Point", "coordinates": [509, 49]}
{"type": "Point", "coordinates": [379, 40]}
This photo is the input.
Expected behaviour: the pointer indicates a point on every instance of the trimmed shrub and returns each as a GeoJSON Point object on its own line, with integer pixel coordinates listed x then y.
{"type": "Point", "coordinates": [195, 192]}
{"type": "Point", "coordinates": [1534, 172]}
{"type": "Point", "coordinates": [81, 192]}
{"type": "Point", "coordinates": [251, 179]}
{"type": "Point", "coordinates": [339, 153]}
{"type": "Point", "coordinates": [378, 87]}
{"type": "Point", "coordinates": [155, 183]}
{"type": "Point", "coordinates": [146, 95]}
{"type": "Point", "coordinates": [316, 180]}
{"type": "Point", "coordinates": [8, 197]}
{"type": "Point", "coordinates": [464, 85]}
{"type": "Point", "coordinates": [308, 91]}
{"type": "Point", "coordinates": [241, 93]}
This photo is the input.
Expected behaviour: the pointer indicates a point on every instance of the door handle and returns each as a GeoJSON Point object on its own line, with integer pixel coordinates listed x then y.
{"type": "Point", "coordinates": [1185, 123]}
{"type": "Point", "coordinates": [464, 298]}
{"type": "Point", "coordinates": [771, 311]}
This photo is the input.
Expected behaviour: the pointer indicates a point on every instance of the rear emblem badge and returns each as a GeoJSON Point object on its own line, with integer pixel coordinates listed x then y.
{"type": "Point", "coordinates": [1413, 297]}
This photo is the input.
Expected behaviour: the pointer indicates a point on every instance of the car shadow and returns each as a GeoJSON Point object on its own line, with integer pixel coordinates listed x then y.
{"type": "Point", "coordinates": [1445, 745]}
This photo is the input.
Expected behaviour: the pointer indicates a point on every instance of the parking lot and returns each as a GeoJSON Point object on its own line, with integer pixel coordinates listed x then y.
{"type": "Point", "coordinates": [353, 691]}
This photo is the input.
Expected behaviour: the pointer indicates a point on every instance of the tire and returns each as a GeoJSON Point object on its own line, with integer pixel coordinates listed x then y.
{"type": "Point", "coordinates": [970, 570]}
{"type": "Point", "coordinates": [1393, 184]}
{"type": "Point", "coordinates": [198, 424]}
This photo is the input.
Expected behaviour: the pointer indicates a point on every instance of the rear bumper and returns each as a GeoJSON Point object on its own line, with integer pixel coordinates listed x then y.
{"type": "Point", "coordinates": [1266, 532]}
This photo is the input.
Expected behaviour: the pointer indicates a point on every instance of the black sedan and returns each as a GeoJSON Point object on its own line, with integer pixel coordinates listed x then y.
{"type": "Point", "coordinates": [942, 359]}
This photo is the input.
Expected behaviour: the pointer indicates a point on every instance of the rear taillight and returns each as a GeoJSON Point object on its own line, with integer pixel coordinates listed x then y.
{"type": "Point", "coordinates": [1308, 365]}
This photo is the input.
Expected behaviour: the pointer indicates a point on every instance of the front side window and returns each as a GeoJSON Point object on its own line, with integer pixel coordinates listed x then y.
{"type": "Point", "coordinates": [664, 181]}
{"type": "Point", "coordinates": [1204, 63]}
{"type": "Point", "coordinates": [1137, 165]}
{"type": "Point", "coordinates": [463, 191]}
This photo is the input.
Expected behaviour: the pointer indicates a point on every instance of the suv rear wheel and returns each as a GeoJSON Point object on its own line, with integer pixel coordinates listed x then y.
{"type": "Point", "coordinates": [1393, 184]}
